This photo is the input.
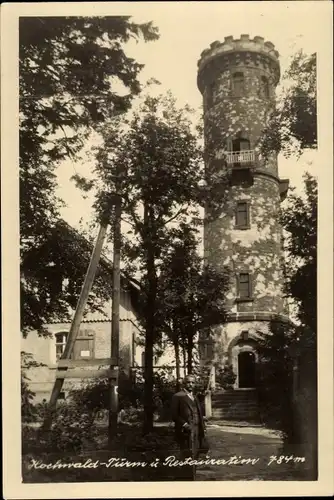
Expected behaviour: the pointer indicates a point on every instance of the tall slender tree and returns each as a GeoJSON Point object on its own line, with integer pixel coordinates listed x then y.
{"type": "Point", "coordinates": [158, 162]}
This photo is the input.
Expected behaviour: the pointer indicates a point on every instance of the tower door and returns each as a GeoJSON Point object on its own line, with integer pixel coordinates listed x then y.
{"type": "Point", "coordinates": [241, 144]}
{"type": "Point", "coordinates": [246, 370]}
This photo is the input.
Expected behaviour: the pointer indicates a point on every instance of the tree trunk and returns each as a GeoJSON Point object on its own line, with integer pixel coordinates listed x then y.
{"type": "Point", "coordinates": [150, 324]}
{"type": "Point", "coordinates": [177, 364]}
{"type": "Point", "coordinates": [184, 356]}
{"type": "Point", "coordinates": [190, 347]}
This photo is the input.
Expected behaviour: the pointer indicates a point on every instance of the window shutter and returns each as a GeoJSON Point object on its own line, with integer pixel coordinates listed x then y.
{"type": "Point", "coordinates": [248, 214]}
{"type": "Point", "coordinates": [244, 285]}
{"type": "Point", "coordinates": [83, 348]}
{"type": "Point", "coordinates": [242, 217]}
{"type": "Point", "coordinates": [250, 285]}
{"type": "Point", "coordinates": [229, 145]}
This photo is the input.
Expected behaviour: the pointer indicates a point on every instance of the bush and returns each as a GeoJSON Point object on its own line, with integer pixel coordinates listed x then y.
{"type": "Point", "coordinates": [275, 374]}
{"type": "Point", "coordinates": [94, 395]}
{"type": "Point", "coordinates": [72, 428]}
{"type": "Point", "coordinates": [28, 410]}
{"type": "Point", "coordinates": [225, 377]}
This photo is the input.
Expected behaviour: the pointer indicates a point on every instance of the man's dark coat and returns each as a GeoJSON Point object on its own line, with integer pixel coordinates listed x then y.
{"type": "Point", "coordinates": [188, 410]}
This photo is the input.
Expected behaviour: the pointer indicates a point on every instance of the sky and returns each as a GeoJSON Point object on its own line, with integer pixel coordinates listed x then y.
{"type": "Point", "coordinates": [186, 29]}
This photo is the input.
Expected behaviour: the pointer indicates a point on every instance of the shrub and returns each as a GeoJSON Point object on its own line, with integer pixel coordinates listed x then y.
{"type": "Point", "coordinates": [275, 374]}
{"type": "Point", "coordinates": [225, 376]}
{"type": "Point", "coordinates": [28, 410]}
{"type": "Point", "coordinates": [72, 428]}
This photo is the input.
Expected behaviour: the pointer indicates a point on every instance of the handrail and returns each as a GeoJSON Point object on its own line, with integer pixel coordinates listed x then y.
{"type": "Point", "coordinates": [246, 156]}
{"type": "Point", "coordinates": [210, 374]}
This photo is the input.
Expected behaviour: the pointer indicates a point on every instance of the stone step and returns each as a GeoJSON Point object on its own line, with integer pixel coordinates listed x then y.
{"type": "Point", "coordinates": [235, 405]}
{"type": "Point", "coordinates": [234, 394]}
{"type": "Point", "coordinates": [220, 411]}
{"type": "Point", "coordinates": [232, 397]}
{"type": "Point", "coordinates": [224, 406]}
{"type": "Point", "coordinates": [222, 402]}
{"type": "Point", "coordinates": [236, 416]}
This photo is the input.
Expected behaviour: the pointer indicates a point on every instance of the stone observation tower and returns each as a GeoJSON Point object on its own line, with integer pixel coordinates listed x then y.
{"type": "Point", "coordinates": [242, 233]}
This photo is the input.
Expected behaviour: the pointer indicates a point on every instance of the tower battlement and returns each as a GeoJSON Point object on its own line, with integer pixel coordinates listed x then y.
{"type": "Point", "coordinates": [244, 50]}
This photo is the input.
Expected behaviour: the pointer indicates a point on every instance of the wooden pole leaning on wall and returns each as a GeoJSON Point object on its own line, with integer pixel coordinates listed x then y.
{"type": "Point", "coordinates": [74, 330]}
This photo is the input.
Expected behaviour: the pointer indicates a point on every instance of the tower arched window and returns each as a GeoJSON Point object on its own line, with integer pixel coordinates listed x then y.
{"type": "Point", "coordinates": [238, 84]}
{"type": "Point", "coordinates": [264, 86]}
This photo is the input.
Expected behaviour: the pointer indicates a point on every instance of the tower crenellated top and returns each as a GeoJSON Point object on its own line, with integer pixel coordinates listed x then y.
{"type": "Point", "coordinates": [255, 49]}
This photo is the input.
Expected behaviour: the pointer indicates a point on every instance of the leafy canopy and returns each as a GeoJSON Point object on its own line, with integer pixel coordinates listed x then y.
{"type": "Point", "coordinates": [74, 75]}
{"type": "Point", "coordinates": [292, 127]}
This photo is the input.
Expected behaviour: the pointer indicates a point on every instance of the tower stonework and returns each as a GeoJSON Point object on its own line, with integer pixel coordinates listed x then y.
{"type": "Point", "coordinates": [242, 231]}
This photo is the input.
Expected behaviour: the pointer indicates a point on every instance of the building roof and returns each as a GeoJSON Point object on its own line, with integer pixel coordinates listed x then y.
{"type": "Point", "coordinates": [128, 284]}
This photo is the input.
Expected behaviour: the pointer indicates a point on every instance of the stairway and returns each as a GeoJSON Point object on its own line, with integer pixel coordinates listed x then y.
{"type": "Point", "coordinates": [235, 405]}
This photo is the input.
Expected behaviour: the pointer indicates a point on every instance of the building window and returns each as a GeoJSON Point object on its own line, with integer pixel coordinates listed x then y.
{"type": "Point", "coordinates": [238, 84]}
{"type": "Point", "coordinates": [244, 286]}
{"type": "Point", "coordinates": [242, 215]}
{"type": "Point", "coordinates": [83, 347]}
{"type": "Point", "coordinates": [60, 344]}
{"type": "Point", "coordinates": [264, 85]}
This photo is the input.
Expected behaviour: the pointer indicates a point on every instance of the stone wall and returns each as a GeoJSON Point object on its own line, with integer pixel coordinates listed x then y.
{"type": "Point", "coordinates": [256, 250]}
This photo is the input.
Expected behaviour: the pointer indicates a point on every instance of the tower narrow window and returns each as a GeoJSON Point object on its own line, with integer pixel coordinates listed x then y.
{"type": "Point", "coordinates": [238, 84]}
{"type": "Point", "coordinates": [244, 286]}
{"type": "Point", "coordinates": [211, 94]}
{"type": "Point", "coordinates": [242, 218]}
{"type": "Point", "coordinates": [264, 86]}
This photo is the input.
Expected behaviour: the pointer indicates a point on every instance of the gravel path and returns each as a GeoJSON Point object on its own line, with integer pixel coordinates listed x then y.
{"type": "Point", "coordinates": [255, 446]}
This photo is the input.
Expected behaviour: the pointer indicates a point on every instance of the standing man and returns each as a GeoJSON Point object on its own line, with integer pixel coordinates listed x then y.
{"type": "Point", "coordinates": [189, 423]}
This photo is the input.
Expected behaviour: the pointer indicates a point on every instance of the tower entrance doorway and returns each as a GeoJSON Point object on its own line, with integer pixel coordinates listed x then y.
{"type": "Point", "coordinates": [240, 144]}
{"type": "Point", "coordinates": [246, 370]}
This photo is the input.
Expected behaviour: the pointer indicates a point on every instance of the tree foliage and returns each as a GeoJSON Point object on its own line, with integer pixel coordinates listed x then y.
{"type": "Point", "coordinates": [153, 160]}
{"type": "Point", "coordinates": [69, 71]}
{"type": "Point", "coordinates": [292, 127]}
{"type": "Point", "coordinates": [191, 294]}
{"type": "Point", "coordinates": [28, 409]}
{"type": "Point", "coordinates": [50, 290]}
{"type": "Point", "coordinates": [299, 219]}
